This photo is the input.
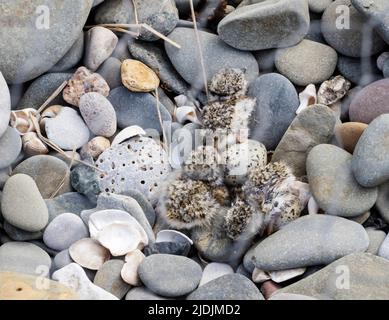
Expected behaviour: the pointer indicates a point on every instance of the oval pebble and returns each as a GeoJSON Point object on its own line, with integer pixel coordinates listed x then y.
{"type": "Point", "coordinates": [10, 146]}
{"type": "Point", "coordinates": [5, 105]}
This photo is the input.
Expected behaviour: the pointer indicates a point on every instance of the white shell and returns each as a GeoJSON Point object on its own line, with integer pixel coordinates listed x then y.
{"type": "Point", "coordinates": [259, 276]}
{"type": "Point", "coordinates": [88, 253]}
{"type": "Point", "coordinates": [172, 236]}
{"type": "Point", "coordinates": [120, 238]}
{"type": "Point", "coordinates": [21, 121]}
{"type": "Point", "coordinates": [307, 97]}
{"type": "Point", "coordinates": [129, 271]}
{"type": "Point", "coordinates": [215, 270]}
{"type": "Point", "coordinates": [284, 275]}
{"type": "Point", "coordinates": [186, 113]}
{"type": "Point", "coordinates": [128, 133]}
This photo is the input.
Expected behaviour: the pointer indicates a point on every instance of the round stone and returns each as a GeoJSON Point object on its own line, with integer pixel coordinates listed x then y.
{"type": "Point", "coordinates": [169, 275]}
{"type": "Point", "coordinates": [333, 185]}
{"type": "Point", "coordinates": [10, 146]}
{"type": "Point", "coordinates": [64, 230]}
{"type": "Point", "coordinates": [48, 173]}
{"type": "Point", "coordinates": [19, 234]}
{"type": "Point", "coordinates": [307, 62]}
{"type": "Point", "coordinates": [115, 11]}
{"type": "Point", "coordinates": [347, 134]}
{"type": "Point", "coordinates": [227, 287]}
{"type": "Point", "coordinates": [5, 105]}
{"type": "Point", "coordinates": [22, 204]}
{"type": "Point", "coordinates": [24, 257]}
{"type": "Point", "coordinates": [138, 77]}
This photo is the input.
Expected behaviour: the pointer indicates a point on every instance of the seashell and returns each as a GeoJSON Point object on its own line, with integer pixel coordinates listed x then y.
{"type": "Point", "coordinates": [172, 236]}
{"type": "Point", "coordinates": [128, 133]}
{"type": "Point", "coordinates": [95, 147]}
{"type": "Point", "coordinates": [333, 90]}
{"type": "Point", "coordinates": [120, 238]}
{"type": "Point", "coordinates": [284, 275]}
{"type": "Point", "coordinates": [215, 270]}
{"type": "Point", "coordinates": [88, 253]}
{"type": "Point", "coordinates": [21, 121]}
{"type": "Point", "coordinates": [50, 112]}
{"type": "Point", "coordinates": [259, 276]}
{"type": "Point", "coordinates": [32, 145]}
{"type": "Point", "coordinates": [129, 271]}
{"type": "Point", "coordinates": [186, 113]}
{"type": "Point", "coordinates": [313, 207]}
{"type": "Point", "coordinates": [137, 77]}
{"type": "Point", "coordinates": [307, 97]}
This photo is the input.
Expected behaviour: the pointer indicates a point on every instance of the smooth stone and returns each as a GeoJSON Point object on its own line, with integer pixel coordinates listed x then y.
{"type": "Point", "coordinates": [318, 6]}
{"type": "Point", "coordinates": [64, 230]}
{"type": "Point", "coordinates": [265, 25]}
{"type": "Point", "coordinates": [139, 109]}
{"type": "Point", "coordinates": [4, 176]}
{"type": "Point", "coordinates": [307, 62]}
{"type": "Point", "coordinates": [174, 248]}
{"type": "Point", "coordinates": [314, 33]}
{"type": "Point", "coordinates": [315, 125]}
{"type": "Point", "coordinates": [349, 40]}
{"type": "Point", "coordinates": [181, 275]}
{"type": "Point", "coordinates": [227, 287]}
{"type": "Point", "coordinates": [11, 145]}
{"type": "Point", "coordinates": [62, 259]}
{"type": "Point", "coordinates": [162, 18]}
{"type": "Point", "coordinates": [329, 282]}
{"type": "Point", "coordinates": [72, 57]}
{"type": "Point", "coordinates": [383, 250]}
{"type": "Point", "coordinates": [40, 244]}
{"type": "Point", "coordinates": [25, 258]}
{"type": "Point", "coordinates": [115, 11]}
{"type": "Point", "coordinates": [217, 55]}
{"type": "Point", "coordinates": [95, 147]}
{"type": "Point", "coordinates": [84, 180]}
{"type": "Point", "coordinates": [68, 202]}
{"type": "Point", "coordinates": [67, 130]}
{"type": "Point", "coordinates": [215, 270]}
{"type": "Point", "coordinates": [88, 253]}
{"type": "Point", "coordinates": [347, 134]}
{"type": "Point", "coordinates": [98, 113]}
{"type": "Point", "coordinates": [74, 277]}
{"type": "Point", "coordinates": [172, 236]}
{"type": "Point", "coordinates": [155, 58]}
{"type": "Point", "coordinates": [41, 89]}
{"type": "Point", "coordinates": [369, 162]}
{"type": "Point", "coordinates": [266, 60]}
{"type": "Point", "coordinates": [377, 11]}
{"type": "Point", "coordinates": [48, 172]}
{"type": "Point", "coordinates": [138, 77]}
{"type": "Point", "coordinates": [141, 293]}
{"type": "Point", "coordinates": [108, 278]}
{"type": "Point", "coordinates": [277, 102]}
{"type": "Point", "coordinates": [22, 205]}
{"type": "Point", "coordinates": [370, 102]}
{"type": "Point", "coordinates": [121, 51]}
{"type": "Point", "coordinates": [110, 71]}
{"type": "Point", "coordinates": [5, 105]}
{"type": "Point", "coordinates": [17, 234]}
{"type": "Point", "coordinates": [382, 203]}
{"type": "Point", "coordinates": [18, 286]}
{"type": "Point", "coordinates": [376, 238]}
{"type": "Point", "coordinates": [308, 241]}
{"type": "Point", "coordinates": [35, 43]}
{"type": "Point", "coordinates": [333, 185]}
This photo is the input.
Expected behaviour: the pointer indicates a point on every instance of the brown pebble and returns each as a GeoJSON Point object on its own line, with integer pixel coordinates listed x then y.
{"type": "Point", "coordinates": [138, 77]}
{"type": "Point", "coordinates": [347, 134]}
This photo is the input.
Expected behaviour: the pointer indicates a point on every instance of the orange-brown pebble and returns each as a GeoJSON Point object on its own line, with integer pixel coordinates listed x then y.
{"type": "Point", "coordinates": [347, 134]}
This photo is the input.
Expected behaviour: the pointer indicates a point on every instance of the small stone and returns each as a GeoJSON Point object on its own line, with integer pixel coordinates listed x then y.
{"type": "Point", "coordinates": [98, 113]}
{"type": "Point", "coordinates": [347, 134]}
{"type": "Point", "coordinates": [108, 278]}
{"type": "Point", "coordinates": [141, 293]}
{"type": "Point", "coordinates": [67, 129]}
{"type": "Point", "coordinates": [63, 231]}
{"type": "Point", "coordinates": [227, 287]}
{"type": "Point", "coordinates": [129, 271]}
{"type": "Point", "coordinates": [17, 234]}
{"type": "Point", "coordinates": [84, 179]}
{"type": "Point", "coordinates": [48, 172]}
{"type": "Point", "coordinates": [84, 81]}
{"type": "Point", "coordinates": [10, 146]}
{"type": "Point", "coordinates": [25, 258]}
{"type": "Point", "coordinates": [137, 77]}
{"type": "Point", "coordinates": [74, 277]}
{"type": "Point", "coordinates": [72, 57]}
{"type": "Point", "coordinates": [333, 90]}
{"type": "Point", "coordinates": [95, 147]}
{"type": "Point", "coordinates": [376, 239]}
{"type": "Point", "coordinates": [110, 71]}
{"type": "Point", "coordinates": [174, 248]}
{"type": "Point", "coordinates": [89, 254]}
{"type": "Point", "coordinates": [5, 105]}
{"type": "Point", "coordinates": [146, 206]}
{"type": "Point", "coordinates": [22, 204]}
{"type": "Point", "coordinates": [62, 259]}
{"type": "Point", "coordinates": [369, 163]}
{"type": "Point", "coordinates": [115, 11]}
{"type": "Point", "coordinates": [181, 275]}
{"type": "Point", "coordinates": [215, 270]}
{"type": "Point", "coordinates": [267, 25]}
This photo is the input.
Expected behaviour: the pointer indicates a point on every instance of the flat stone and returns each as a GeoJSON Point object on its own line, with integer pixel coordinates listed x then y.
{"type": "Point", "coordinates": [110, 71]}
{"type": "Point", "coordinates": [5, 105]}
{"type": "Point", "coordinates": [137, 109]}
{"type": "Point", "coordinates": [315, 125]}
{"type": "Point", "coordinates": [277, 102]}
{"type": "Point", "coordinates": [10, 146]}
{"type": "Point", "coordinates": [17, 234]}
{"type": "Point", "coordinates": [72, 57]}
{"type": "Point", "coordinates": [165, 247]}
{"type": "Point", "coordinates": [215, 270]}
{"type": "Point", "coordinates": [347, 134]}
{"type": "Point", "coordinates": [217, 55]}
{"type": "Point", "coordinates": [227, 287]}
{"type": "Point", "coordinates": [376, 238]}
{"type": "Point", "coordinates": [48, 172]}
{"type": "Point", "coordinates": [37, 41]}
{"type": "Point", "coordinates": [307, 62]}
{"type": "Point", "coordinates": [62, 259]}
{"type": "Point", "coordinates": [329, 283]}
{"type": "Point", "coordinates": [25, 258]}
{"type": "Point", "coordinates": [141, 293]}
{"type": "Point", "coordinates": [333, 185]}
{"type": "Point", "coordinates": [369, 162]}
{"type": "Point", "coordinates": [266, 25]}
{"type": "Point", "coordinates": [308, 241]}
{"type": "Point", "coordinates": [115, 11]}
{"type": "Point", "coordinates": [22, 205]}
{"type": "Point", "coordinates": [138, 77]}
{"type": "Point", "coordinates": [181, 275]}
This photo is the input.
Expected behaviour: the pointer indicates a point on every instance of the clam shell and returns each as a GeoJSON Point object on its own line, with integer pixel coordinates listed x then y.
{"type": "Point", "coordinates": [128, 133]}
{"type": "Point", "coordinates": [259, 276]}
{"type": "Point", "coordinates": [129, 271]}
{"type": "Point", "coordinates": [172, 236]}
{"type": "Point", "coordinates": [21, 121]}
{"type": "Point", "coordinates": [32, 145]}
{"type": "Point", "coordinates": [186, 113]}
{"type": "Point", "coordinates": [88, 253]}
{"type": "Point", "coordinates": [284, 275]}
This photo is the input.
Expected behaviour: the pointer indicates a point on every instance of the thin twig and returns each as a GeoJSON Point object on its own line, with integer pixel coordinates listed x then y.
{"type": "Point", "coordinates": [135, 12]}
{"type": "Point", "coordinates": [53, 96]}
{"type": "Point", "coordinates": [158, 34]}
{"type": "Point", "coordinates": [164, 139]}
{"type": "Point", "coordinates": [131, 33]}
